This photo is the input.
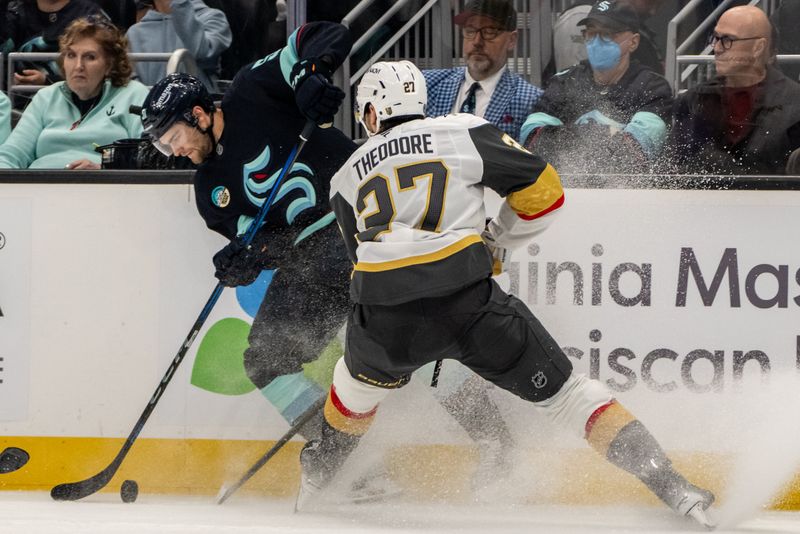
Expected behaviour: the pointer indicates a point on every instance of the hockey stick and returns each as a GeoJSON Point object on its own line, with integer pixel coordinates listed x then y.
{"type": "Point", "coordinates": [436, 370]}
{"type": "Point", "coordinates": [296, 427]}
{"type": "Point", "coordinates": [72, 491]}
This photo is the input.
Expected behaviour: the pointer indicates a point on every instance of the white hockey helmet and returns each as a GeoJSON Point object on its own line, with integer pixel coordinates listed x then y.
{"type": "Point", "coordinates": [394, 88]}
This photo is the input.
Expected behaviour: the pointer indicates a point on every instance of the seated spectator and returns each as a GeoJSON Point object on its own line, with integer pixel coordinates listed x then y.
{"type": "Point", "coordinates": [786, 20]}
{"type": "Point", "coordinates": [65, 121]}
{"type": "Point", "coordinates": [35, 26]}
{"type": "Point", "coordinates": [568, 45]}
{"type": "Point", "coordinates": [5, 117]}
{"type": "Point", "coordinates": [173, 24]}
{"type": "Point", "coordinates": [486, 87]}
{"type": "Point", "coordinates": [747, 119]}
{"type": "Point", "coordinates": [607, 114]}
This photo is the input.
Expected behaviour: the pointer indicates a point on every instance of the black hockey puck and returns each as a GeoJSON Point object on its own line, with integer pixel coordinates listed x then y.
{"type": "Point", "coordinates": [12, 459]}
{"type": "Point", "coordinates": [129, 491]}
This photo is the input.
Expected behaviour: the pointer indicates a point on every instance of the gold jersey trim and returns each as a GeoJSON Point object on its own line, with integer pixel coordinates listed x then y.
{"type": "Point", "coordinates": [431, 257]}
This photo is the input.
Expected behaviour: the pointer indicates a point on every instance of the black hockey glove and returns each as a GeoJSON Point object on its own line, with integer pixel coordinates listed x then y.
{"type": "Point", "coordinates": [237, 265]}
{"type": "Point", "coordinates": [316, 96]}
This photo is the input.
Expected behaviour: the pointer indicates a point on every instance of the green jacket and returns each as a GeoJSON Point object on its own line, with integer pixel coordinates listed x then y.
{"type": "Point", "coordinates": [51, 132]}
{"type": "Point", "coordinates": [5, 117]}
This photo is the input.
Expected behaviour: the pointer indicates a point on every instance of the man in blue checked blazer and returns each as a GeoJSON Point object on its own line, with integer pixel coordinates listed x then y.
{"type": "Point", "coordinates": [485, 87]}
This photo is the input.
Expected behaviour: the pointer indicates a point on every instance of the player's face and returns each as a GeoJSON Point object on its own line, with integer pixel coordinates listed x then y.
{"type": "Point", "coordinates": [185, 140]}
{"type": "Point", "coordinates": [485, 57]}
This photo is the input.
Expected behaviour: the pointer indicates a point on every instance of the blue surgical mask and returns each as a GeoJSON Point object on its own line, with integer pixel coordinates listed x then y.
{"type": "Point", "coordinates": [603, 55]}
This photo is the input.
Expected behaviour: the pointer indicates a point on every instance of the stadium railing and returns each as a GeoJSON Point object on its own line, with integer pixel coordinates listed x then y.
{"type": "Point", "coordinates": [179, 60]}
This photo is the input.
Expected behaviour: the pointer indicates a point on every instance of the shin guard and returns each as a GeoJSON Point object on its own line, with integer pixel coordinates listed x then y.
{"type": "Point", "coordinates": [625, 442]}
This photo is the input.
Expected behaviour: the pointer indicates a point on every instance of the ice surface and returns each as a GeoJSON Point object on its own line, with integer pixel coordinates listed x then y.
{"type": "Point", "coordinates": [35, 513]}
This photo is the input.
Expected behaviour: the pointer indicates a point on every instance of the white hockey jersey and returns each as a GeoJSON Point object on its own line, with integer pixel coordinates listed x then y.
{"type": "Point", "coordinates": [410, 206]}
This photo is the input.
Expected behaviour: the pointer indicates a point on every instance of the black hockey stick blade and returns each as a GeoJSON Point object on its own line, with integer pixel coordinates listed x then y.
{"type": "Point", "coordinates": [73, 491]}
{"type": "Point", "coordinates": [298, 425]}
{"type": "Point", "coordinates": [12, 459]}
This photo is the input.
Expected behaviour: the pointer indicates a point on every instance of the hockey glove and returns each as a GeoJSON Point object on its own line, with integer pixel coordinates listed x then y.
{"type": "Point", "coordinates": [499, 254]}
{"type": "Point", "coordinates": [316, 96]}
{"type": "Point", "coordinates": [236, 264]}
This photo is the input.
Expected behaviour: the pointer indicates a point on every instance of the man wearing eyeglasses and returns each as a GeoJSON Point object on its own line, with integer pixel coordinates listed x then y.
{"type": "Point", "coordinates": [608, 114]}
{"type": "Point", "coordinates": [485, 87]}
{"type": "Point", "coordinates": [747, 119]}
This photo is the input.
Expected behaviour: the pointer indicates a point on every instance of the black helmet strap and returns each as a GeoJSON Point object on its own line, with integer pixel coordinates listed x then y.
{"type": "Point", "coordinates": [209, 132]}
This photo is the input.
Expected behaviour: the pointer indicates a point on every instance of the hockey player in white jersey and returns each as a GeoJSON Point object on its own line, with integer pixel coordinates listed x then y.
{"type": "Point", "coordinates": [410, 204]}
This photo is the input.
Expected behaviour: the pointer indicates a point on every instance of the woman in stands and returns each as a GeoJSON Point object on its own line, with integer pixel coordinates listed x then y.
{"type": "Point", "coordinates": [65, 121]}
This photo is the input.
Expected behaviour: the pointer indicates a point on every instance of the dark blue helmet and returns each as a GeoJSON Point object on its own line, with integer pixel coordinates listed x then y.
{"type": "Point", "coordinates": [170, 100]}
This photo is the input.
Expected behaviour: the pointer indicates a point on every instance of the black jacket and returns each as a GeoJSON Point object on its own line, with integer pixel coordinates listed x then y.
{"type": "Point", "coordinates": [590, 148]}
{"type": "Point", "coordinates": [698, 143]}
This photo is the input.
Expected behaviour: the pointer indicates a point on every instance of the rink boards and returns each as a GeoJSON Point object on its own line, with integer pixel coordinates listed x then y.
{"type": "Point", "coordinates": [685, 303]}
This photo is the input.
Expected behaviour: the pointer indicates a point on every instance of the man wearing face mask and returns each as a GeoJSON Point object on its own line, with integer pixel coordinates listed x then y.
{"type": "Point", "coordinates": [606, 114]}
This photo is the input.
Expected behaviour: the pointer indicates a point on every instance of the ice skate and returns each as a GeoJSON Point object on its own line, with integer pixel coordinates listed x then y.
{"type": "Point", "coordinates": [693, 502]}
{"type": "Point", "coordinates": [687, 499]}
{"type": "Point", "coordinates": [493, 469]}
{"type": "Point", "coordinates": [376, 485]}
{"type": "Point", "coordinates": [313, 477]}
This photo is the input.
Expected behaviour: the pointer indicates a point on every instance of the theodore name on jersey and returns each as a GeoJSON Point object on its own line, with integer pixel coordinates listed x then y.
{"type": "Point", "coordinates": [405, 145]}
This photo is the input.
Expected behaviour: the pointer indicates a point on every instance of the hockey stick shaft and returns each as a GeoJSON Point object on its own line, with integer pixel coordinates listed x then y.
{"type": "Point", "coordinates": [296, 427]}
{"type": "Point", "coordinates": [72, 491]}
{"type": "Point", "coordinates": [437, 368]}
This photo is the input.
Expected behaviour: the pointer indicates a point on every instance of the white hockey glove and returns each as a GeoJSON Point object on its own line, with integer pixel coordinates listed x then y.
{"type": "Point", "coordinates": [499, 254]}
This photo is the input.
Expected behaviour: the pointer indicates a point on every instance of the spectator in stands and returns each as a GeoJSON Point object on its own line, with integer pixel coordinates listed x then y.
{"type": "Point", "coordinates": [121, 12]}
{"type": "Point", "coordinates": [606, 114]}
{"type": "Point", "coordinates": [747, 119]}
{"type": "Point", "coordinates": [5, 117]}
{"type": "Point", "coordinates": [485, 87]}
{"type": "Point", "coordinates": [64, 122]}
{"type": "Point", "coordinates": [786, 20]}
{"type": "Point", "coordinates": [35, 26]}
{"type": "Point", "coordinates": [568, 46]}
{"type": "Point", "coordinates": [173, 24]}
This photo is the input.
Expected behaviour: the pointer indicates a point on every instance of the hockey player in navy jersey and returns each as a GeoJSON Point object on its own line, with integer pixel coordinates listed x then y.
{"type": "Point", "coordinates": [410, 204]}
{"type": "Point", "coordinates": [240, 147]}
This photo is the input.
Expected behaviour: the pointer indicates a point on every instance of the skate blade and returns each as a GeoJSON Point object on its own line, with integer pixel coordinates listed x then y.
{"type": "Point", "coordinates": [366, 498]}
{"type": "Point", "coordinates": [306, 499]}
{"type": "Point", "coordinates": [699, 514]}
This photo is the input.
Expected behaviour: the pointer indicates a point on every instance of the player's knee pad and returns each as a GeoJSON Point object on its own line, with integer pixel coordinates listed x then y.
{"type": "Point", "coordinates": [575, 403]}
{"type": "Point", "coordinates": [351, 404]}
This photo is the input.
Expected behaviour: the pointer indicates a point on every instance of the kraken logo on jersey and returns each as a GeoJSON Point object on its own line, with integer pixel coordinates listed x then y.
{"type": "Point", "coordinates": [258, 185]}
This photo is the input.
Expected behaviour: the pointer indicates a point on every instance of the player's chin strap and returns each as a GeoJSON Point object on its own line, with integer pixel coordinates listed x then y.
{"type": "Point", "coordinates": [210, 133]}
